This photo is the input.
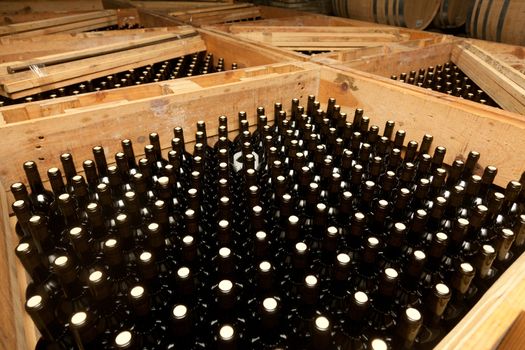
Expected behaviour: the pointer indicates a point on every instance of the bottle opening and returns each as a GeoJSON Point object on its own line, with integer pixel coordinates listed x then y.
{"type": "Point", "coordinates": [123, 338]}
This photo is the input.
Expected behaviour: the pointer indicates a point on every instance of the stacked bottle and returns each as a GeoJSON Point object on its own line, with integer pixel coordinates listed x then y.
{"type": "Point", "coordinates": [449, 79]}
{"type": "Point", "coordinates": [314, 231]}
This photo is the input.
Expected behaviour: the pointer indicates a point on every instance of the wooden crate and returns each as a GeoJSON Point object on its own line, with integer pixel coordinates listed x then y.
{"type": "Point", "coordinates": [242, 12]}
{"type": "Point", "coordinates": [318, 33]}
{"type": "Point", "coordinates": [496, 68]}
{"type": "Point", "coordinates": [169, 6]}
{"type": "Point", "coordinates": [222, 47]}
{"type": "Point", "coordinates": [497, 134]}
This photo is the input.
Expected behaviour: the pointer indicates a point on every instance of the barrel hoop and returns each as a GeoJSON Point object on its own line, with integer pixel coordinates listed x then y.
{"type": "Point", "coordinates": [385, 10]}
{"type": "Point", "coordinates": [475, 20]}
{"type": "Point", "coordinates": [394, 8]}
{"type": "Point", "coordinates": [443, 16]}
{"type": "Point", "coordinates": [374, 10]}
{"type": "Point", "coordinates": [486, 19]}
{"type": "Point", "coordinates": [401, 13]}
{"type": "Point", "coordinates": [501, 19]}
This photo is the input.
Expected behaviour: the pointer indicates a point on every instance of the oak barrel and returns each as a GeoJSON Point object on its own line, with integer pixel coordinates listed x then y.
{"type": "Point", "coordinates": [416, 14]}
{"type": "Point", "coordinates": [498, 20]}
{"type": "Point", "coordinates": [452, 13]}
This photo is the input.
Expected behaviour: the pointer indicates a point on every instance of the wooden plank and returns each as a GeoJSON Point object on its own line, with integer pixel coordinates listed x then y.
{"type": "Point", "coordinates": [306, 36]}
{"type": "Point", "coordinates": [404, 60]}
{"type": "Point", "coordinates": [31, 16]}
{"type": "Point", "coordinates": [213, 9]}
{"type": "Point", "coordinates": [243, 53]}
{"type": "Point", "coordinates": [459, 125]}
{"type": "Point", "coordinates": [219, 16]}
{"type": "Point", "coordinates": [71, 28]}
{"type": "Point", "coordinates": [515, 336]}
{"type": "Point", "coordinates": [61, 72]}
{"type": "Point", "coordinates": [16, 49]}
{"type": "Point", "coordinates": [93, 51]}
{"type": "Point", "coordinates": [505, 69]}
{"type": "Point", "coordinates": [39, 109]}
{"type": "Point", "coordinates": [349, 55]}
{"type": "Point", "coordinates": [513, 55]}
{"type": "Point", "coordinates": [173, 6]}
{"type": "Point", "coordinates": [51, 22]}
{"type": "Point", "coordinates": [500, 81]}
{"type": "Point", "coordinates": [13, 319]}
{"type": "Point", "coordinates": [18, 6]}
{"type": "Point", "coordinates": [239, 28]}
{"type": "Point", "coordinates": [327, 47]}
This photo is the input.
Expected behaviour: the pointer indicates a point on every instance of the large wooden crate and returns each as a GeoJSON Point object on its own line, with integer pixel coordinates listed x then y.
{"type": "Point", "coordinates": [232, 51]}
{"type": "Point", "coordinates": [495, 133]}
{"type": "Point", "coordinates": [318, 33]}
{"type": "Point", "coordinates": [498, 69]}
{"type": "Point", "coordinates": [242, 12]}
{"type": "Point", "coordinates": [385, 51]}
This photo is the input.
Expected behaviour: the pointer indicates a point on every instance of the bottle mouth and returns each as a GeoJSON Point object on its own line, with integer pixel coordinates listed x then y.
{"type": "Point", "coordinates": [412, 314]}
{"type": "Point", "coordinates": [270, 304]}
{"type": "Point", "coordinates": [180, 311]}
{"type": "Point", "coordinates": [123, 339]}
{"type": "Point", "coordinates": [34, 302]}
{"type": "Point", "coordinates": [227, 332]}
{"type": "Point", "coordinates": [79, 319]}
{"type": "Point", "coordinates": [361, 298]}
{"type": "Point", "coordinates": [322, 323]}
{"type": "Point", "coordinates": [137, 292]}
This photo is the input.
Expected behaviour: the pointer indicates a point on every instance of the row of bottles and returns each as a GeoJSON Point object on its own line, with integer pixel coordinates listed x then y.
{"type": "Point", "coordinates": [179, 67]}
{"type": "Point", "coordinates": [123, 26]}
{"type": "Point", "coordinates": [314, 231]}
{"type": "Point", "coordinates": [449, 79]}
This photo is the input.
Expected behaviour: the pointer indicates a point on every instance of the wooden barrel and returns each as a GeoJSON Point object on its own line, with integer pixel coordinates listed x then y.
{"type": "Point", "coordinates": [498, 20]}
{"type": "Point", "coordinates": [416, 14]}
{"type": "Point", "coordinates": [452, 13]}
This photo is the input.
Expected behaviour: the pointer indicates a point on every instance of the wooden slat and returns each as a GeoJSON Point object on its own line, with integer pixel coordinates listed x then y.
{"type": "Point", "coordinates": [515, 336]}
{"type": "Point", "coordinates": [17, 49]}
{"type": "Point", "coordinates": [213, 9]}
{"type": "Point", "coordinates": [174, 6]}
{"type": "Point", "coordinates": [501, 82]}
{"type": "Point", "coordinates": [39, 109]}
{"type": "Point", "coordinates": [16, 332]}
{"type": "Point", "coordinates": [305, 36]}
{"type": "Point", "coordinates": [513, 55]}
{"type": "Point", "coordinates": [56, 75]}
{"type": "Point", "coordinates": [93, 51]}
{"type": "Point", "coordinates": [219, 16]}
{"type": "Point", "coordinates": [403, 60]}
{"type": "Point", "coordinates": [51, 22]}
{"type": "Point", "coordinates": [18, 6]}
{"type": "Point", "coordinates": [71, 27]}
{"type": "Point", "coordinates": [240, 28]}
